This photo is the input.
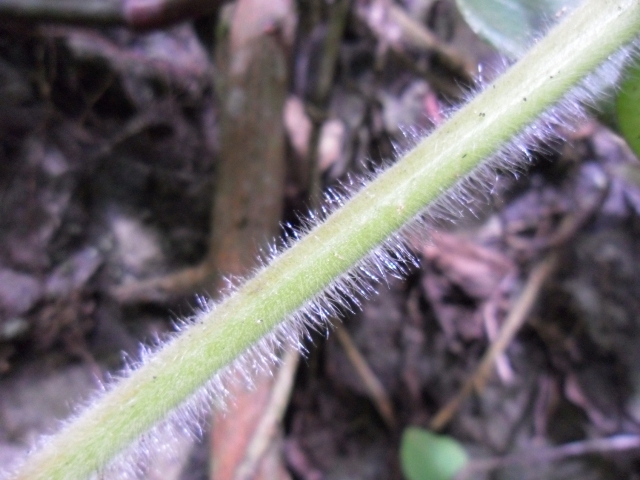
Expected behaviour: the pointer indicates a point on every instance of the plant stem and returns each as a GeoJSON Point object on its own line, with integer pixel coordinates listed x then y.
{"type": "Point", "coordinates": [296, 277]}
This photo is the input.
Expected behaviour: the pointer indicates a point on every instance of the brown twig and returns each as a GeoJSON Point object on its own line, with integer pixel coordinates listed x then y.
{"type": "Point", "coordinates": [569, 225]}
{"type": "Point", "coordinates": [319, 96]}
{"type": "Point", "coordinates": [395, 29]}
{"type": "Point", "coordinates": [512, 324]}
{"type": "Point", "coordinates": [415, 34]}
{"type": "Point", "coordinates": [135, 14]}
{"type": "Point", "coordinates": [251, 83]}
{"type": "Point", "coordinates": [109, 12]}
{"type": "Point", "coordinates": [267, 427]}
{"type": "Point", "coordinates": [376, 390]}
{"type": "Point", "coordinates": [164, 288]}
{"type": "Point", "coordinates": [550, 454]}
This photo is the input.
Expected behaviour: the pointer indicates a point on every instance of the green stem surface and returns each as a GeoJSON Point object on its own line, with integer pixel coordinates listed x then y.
{"type": "Point", "coordinates": [557, 63]}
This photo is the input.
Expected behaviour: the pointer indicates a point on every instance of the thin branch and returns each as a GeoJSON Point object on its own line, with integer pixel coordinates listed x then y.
{"type": "Point", "coordinates": [376, 390]}
{"type": "Point", "coordinates": [512, 324]}
{"type": "Point", "coordinates": [549, 454]}
{"type": "Point", "coordinates": [135, 14]}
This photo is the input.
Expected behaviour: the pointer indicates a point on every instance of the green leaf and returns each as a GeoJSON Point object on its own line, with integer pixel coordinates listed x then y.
{"type": "Point", "coordinates": [511, 25]}
{"type": "Point", "coordinates": [628, 107]}
{"type": "Point", "coordinates": [425, 455]}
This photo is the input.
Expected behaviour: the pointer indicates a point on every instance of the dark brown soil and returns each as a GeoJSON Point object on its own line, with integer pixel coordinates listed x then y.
{"type": "Point", "coordinates": [109, 143]}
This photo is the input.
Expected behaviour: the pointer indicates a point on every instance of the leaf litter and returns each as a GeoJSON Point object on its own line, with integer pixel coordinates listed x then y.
{"type": "Point", "coordinates": [114, 130]}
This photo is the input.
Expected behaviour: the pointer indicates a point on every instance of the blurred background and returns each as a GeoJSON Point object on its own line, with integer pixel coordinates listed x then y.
{"type": "Point", "coordinates": [150, 150]}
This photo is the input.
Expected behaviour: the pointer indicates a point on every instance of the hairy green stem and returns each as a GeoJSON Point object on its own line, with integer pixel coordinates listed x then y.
{"type": "Point", "coordinates": [556, 64]}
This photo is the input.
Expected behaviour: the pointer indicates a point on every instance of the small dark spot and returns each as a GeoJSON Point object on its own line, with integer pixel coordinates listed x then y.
{"type": "Point", "coordinates": [524, 99]}
{"type": "Point", "coordinates": [242, 223]}
{"type": "Point", "coordinates": [159, 132]}
{"type": "Point", "coordinates": [482, 114]}
{"type": "Point", "coordinates": [463, 156]}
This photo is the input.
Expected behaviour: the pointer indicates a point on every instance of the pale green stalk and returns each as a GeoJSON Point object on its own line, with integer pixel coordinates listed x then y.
{"type": "Point", "coordinates": [570, 51]}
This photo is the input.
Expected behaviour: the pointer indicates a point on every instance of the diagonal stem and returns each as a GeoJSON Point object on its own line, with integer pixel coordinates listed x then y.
{"type": "Point", "coordinates": [555, 65]}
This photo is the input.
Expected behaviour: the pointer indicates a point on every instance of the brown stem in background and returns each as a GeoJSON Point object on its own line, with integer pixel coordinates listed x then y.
{"type": "Point", "coordinates": [267, 428]}
{"type": "Point", "coordinates": [149, 14]}
{"type": "Point", "coordinates": [375, 389]}
{"type": "Point", "coordinates": [319, 95]}
{"type": "Point", "coordinates": [395, 30]}
{"type": "Point", "coordinates": [135, 14]}
{"type": "Point", "coordinates": [416, 34]}
{"type": "Point", "coordinates": [92, 12]}
{"type": "Point", "coordinates": [251, 84]}
{"type": "Point", "coordinates": [545, 455]}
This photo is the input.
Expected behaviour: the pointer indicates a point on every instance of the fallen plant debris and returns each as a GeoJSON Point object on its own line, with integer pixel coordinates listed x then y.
{"type": "Point", "coordinates": [100, 171]}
